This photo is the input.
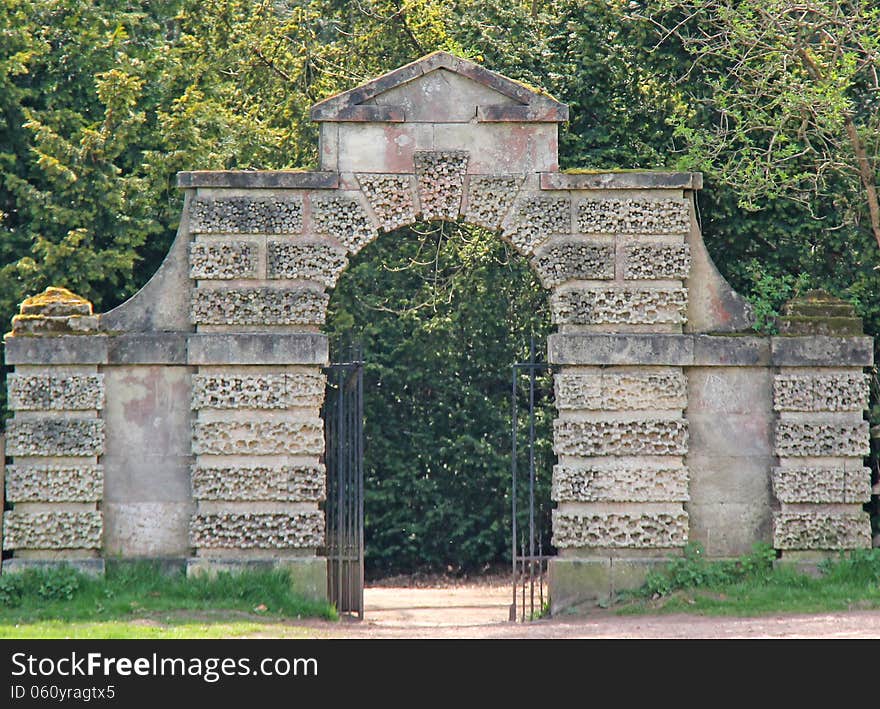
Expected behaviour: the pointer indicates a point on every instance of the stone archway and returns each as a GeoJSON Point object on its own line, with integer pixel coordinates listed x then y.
{"type": "Point", "coordinates": [185, 423]}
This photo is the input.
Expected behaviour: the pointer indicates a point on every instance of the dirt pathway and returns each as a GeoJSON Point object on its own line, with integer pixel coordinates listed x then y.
{"type": "Point", "coordinates": [481, 611]}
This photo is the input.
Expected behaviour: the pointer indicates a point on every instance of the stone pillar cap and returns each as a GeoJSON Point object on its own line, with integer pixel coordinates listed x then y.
{"type": "Point", "coordinates": [55, 311]}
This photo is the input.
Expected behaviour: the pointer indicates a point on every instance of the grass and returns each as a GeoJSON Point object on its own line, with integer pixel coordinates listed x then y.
{"type": "Point", "coordinates": [139, 600]}
{"type": "Point", "coordinates": [753, 585]}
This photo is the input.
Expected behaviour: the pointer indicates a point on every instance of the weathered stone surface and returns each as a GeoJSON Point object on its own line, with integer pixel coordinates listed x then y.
{"type": "Point", "coordinates": [55, 437]}
{"type": "Point", "coordinates": [246, 215]}
{"type": "Point", "coordinates": [822, 351]}
{"type": "Point", "coordinates": [218, 260]}
{"type": "Point", "coordinates": [138, 529]}
{"type": "Point", "coordinates": [257, 391]}
{"type": "Point", "coordinates": [440, 177]}
{"type": "Point", "coordinates": [633, 216]}
{"type": "Point", "coordinates": [616, 306]}
{"type": "Point", "coordinates": [56, 302]}
{"type": "Point", "coordinates": [257, 531]}
{"type": "Point", "coordinates": [303, 437]}
{"type": "Point", "coordinates": [152, 348]}
{"type": "Point", "coordinates": [612, 530]}
{"type": "Point", "coordinates": [608, 349]}
{"type": "Point", "coordinates": [616, 391]}
{"type": "Point", "coordinates": [620, 482]}
{"type": "Point", "coordinates": [656, 261]}
{"type": "Point", "coordinates": [64, 349]}
{"type": "Point", "coordinates": [819, 313]}
{"type": "Point", "coordinates": [259, 306]}
{"type": "Point", "coordinates": [344, 219]}
{"type": "Point", "coordinates": [641, 437]}
{"type": "Point", "coordinates": [54, 483]}
{"type": "Point", "coordinates": [814, 484]}
{"type": "Point", "coordinates": [287, 483]}
{"type": "Point", "coordinates": [314, 261]}
{"type": "Point", "coordinates": [844, 529]}
{"type": "Point", "coordinates": [73, 392]}
{"type": "Point", "coordinates": [259, 179]}
{"type": "Point", "coordinates": [798, 439]}
{"type": "Point", "coordinates": [53, 325]}
{"type": "Point", "coordinates": [282, 348]}
{"type": "Point", "coordinates": [391, 199]}
{"type": "Point", "coordinates": [571, 259]}
{"type": "Point", "coordinates": [490, 197]}
{"type": "Point", "coordinates": [820, 392]}
{"type": "Point", "coordinates": [538, 218]}
{"type": "Point", "coordinates": [622, 180]}
{"type": "Point", "coordinates": [52, 530]}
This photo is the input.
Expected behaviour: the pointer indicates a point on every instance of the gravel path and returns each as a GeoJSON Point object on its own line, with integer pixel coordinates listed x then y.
{"type": "Point", "coordinates": [481, 611]}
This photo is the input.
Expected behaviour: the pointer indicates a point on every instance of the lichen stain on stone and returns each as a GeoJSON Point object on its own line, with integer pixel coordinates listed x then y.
{"type": "Point", "coordinates": [56, 301]}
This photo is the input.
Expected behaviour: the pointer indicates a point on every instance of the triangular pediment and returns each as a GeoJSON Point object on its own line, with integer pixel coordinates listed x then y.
{"type": "Point", "coordinates": [441, 87]}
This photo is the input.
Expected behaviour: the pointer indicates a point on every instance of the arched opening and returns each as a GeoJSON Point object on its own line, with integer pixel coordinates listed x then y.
{"type": "Point", "coordinates": [441, 311]}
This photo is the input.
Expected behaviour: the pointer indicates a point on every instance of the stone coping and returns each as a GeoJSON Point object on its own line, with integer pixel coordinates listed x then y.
{"type": "Point", "coordinates": [171, 348]}
{"type": "Point", "coordinates": [702, 350]}
{"type": "Point", "coordinates": [636, 180]}
{"type": "Point", "coordinates": [326, 180]}
{"type": "Point", "coordinates": [686, 350]}
{"type": "Point", "coordinates": [260, 179]}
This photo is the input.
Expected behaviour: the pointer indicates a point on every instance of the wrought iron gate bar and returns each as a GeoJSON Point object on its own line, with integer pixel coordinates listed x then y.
{"type": "Point", "coordinates": [343, 422]}
{"type": "Point", "coordinates": [527, 566]}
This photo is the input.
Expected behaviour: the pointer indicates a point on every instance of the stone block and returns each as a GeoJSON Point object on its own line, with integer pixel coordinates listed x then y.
{"type": "Point", "coordinates": [618, 530]}
{"type": "Point", "coordinates": [619, 305]}
{"type": "Point", "coordinates": [820, 392]}
{"type": "Point", "coordinates": [730, 351]}
{"type": "Point", "coordinates": [576, 582]}
{"type": "Point", "coordinates": [847, 528]}
{"type": "Point", "coordinates": [259, 179]}
{"type": "Point", "coordinates": [52, 530]}
{"type": "Point", "coordinates": [627, 180]}
{"type": "Point", "coordinates": [620, 349]}
{"type": "Point", "coordinates": [822, 351]}
{"type": "Point", "coordinates": [235, 483]}
{"type": "Point", "coordinates": [620, 438]}
{"type": "Point", "coordinates": [259, 306]}
{"type": "Point", "coordinates": [258, 391]}
{"type": "Point", "coordinates": [656, 262]}
{"type": "Point", "coordinates": [234, 530]}
{"type": "Point", "coordinates": [147, 530]}
{"type": "Point", "coordinates": [538, 218]}
{"type": "Point", "coordinates": [55, 437]}
{"type": "Point", "coordinates": [633, 216]}
{"type": "Point", "coordinates": [620, 481]}
{"type": "Point", "coordinates": [226, 259]}
{"type": "Point", "coordinates": [54, 483]}
{"type": "Point", "coordinates": [46, 392]}
{"type": "Point", "coordinates": [566, 259]}
{"type": "Point", "coordinates": [390, 198]}
{"type": "Point", "coordinates": [65, 349]}
{"type": "Point", "coordinates": [796, 439]}
{"type": "Point", "coordinates": [659, 389]}
{"type": "Point", "coordinates": [308, 575]}
{"type": "Point", "coordinates": [303, 437]}
{"type": "Point", "coordinates": [728, 529]}
{"type": "Point", "coordinates": [257, 348]}
{"type": "Point", "coordinates": [87, 565]}
{"type": "Point", "coordinates": [500, 148]}
{"type": "Point", "coordinates": [822, 484]}
{"type": "Point", "coordinates": [344, 219]}
{"type": "Point", "coordinates": [314, 261]}
{"type": "Point", "coordinates": [153, 348]}
{"type": "Point", "coordinates": [490, 198]}
{"type": "Point", "coordinates": [440, 176]}
{"type": "Point", "coordinates": [246, 215]}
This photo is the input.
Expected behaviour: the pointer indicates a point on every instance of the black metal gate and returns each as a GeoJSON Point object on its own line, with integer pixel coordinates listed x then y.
{"type": "Point", "coordinates": [344, 507]}
{"type": "Point", "coordinates": [529, 520]}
